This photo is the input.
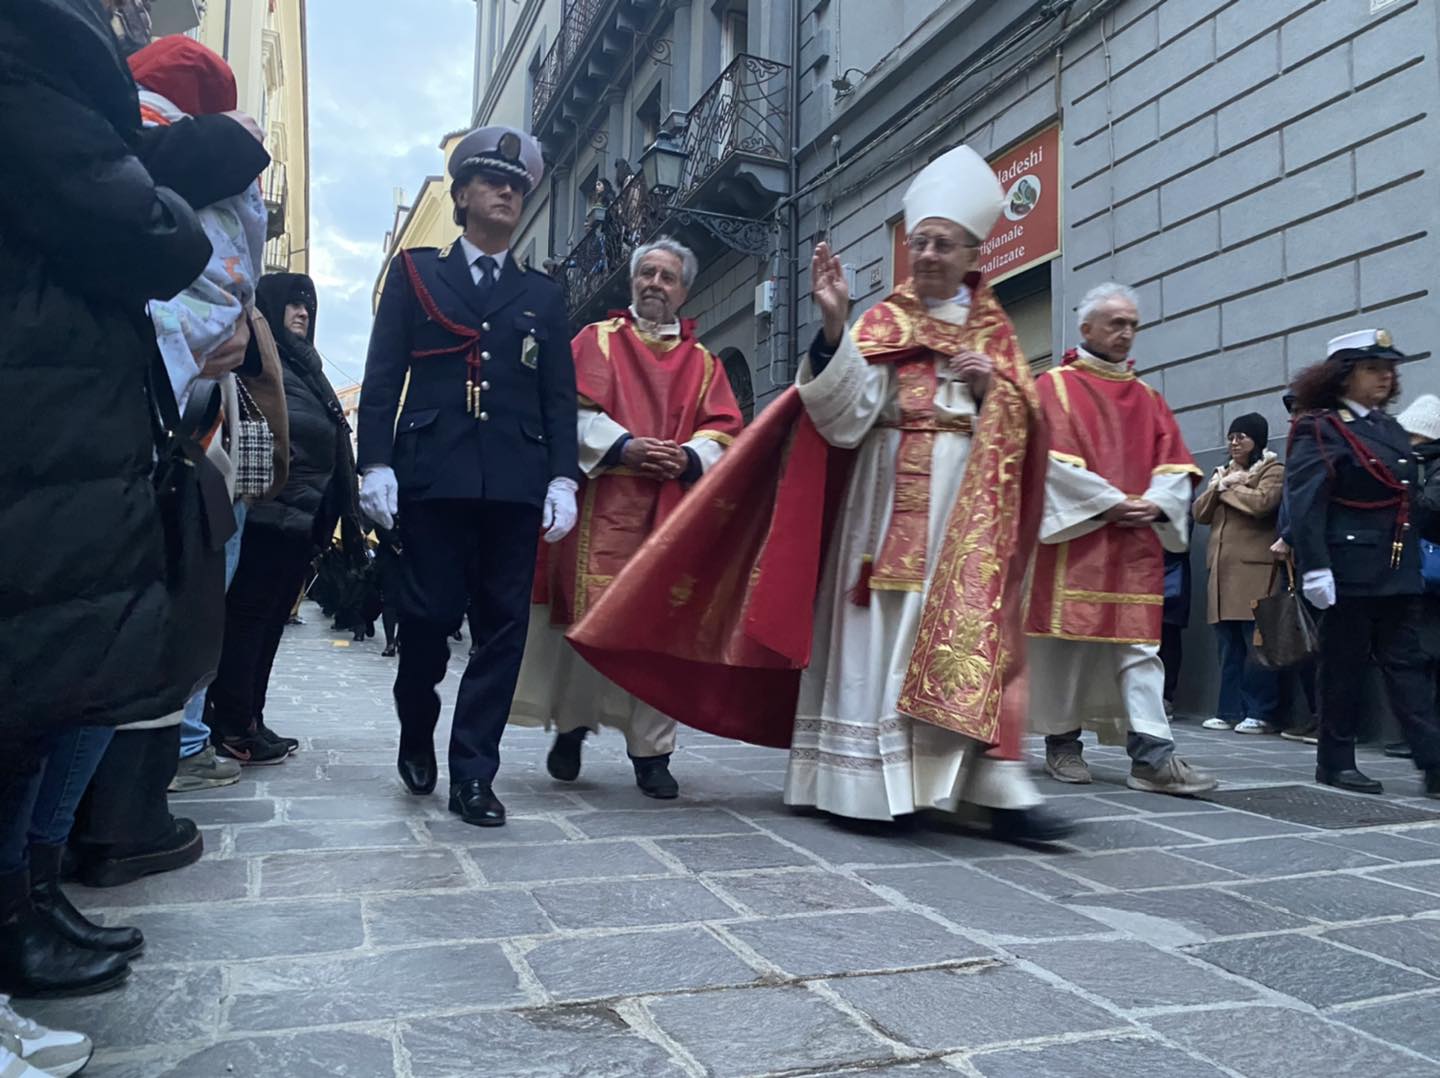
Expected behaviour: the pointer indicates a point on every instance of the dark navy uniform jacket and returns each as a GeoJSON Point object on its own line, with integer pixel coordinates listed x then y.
{"type": "Point", "coordinates": [1326, 483]}
{"type": "Point", "coordinates": [525, 433]}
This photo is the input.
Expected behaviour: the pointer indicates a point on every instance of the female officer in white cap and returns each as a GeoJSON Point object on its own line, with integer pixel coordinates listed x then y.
{"type": "Point", "coordinates": [1350, 483]}
{"type": "Point", "coordinates": [480, 461]}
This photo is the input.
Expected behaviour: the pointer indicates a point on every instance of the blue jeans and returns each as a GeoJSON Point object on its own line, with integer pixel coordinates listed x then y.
{"type": "Point", "coordinates": [194, 734]}
{"type": "Point", "coordinates": [45, 811]}
{"type": "Point", "coordinates": [1247, 689]}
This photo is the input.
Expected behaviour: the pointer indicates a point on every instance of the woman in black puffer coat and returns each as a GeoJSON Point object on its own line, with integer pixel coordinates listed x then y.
{"type": "Point", "coordinates": [95, 220]}
{"type": "Point", "coordinates": [283, 535]}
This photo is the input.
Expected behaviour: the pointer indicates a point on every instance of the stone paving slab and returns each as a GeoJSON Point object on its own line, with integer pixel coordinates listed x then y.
{"type": "Point", "coordinates": [340, 927]}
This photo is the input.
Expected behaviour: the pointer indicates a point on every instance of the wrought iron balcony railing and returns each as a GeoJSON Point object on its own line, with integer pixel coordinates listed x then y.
{"type": "Point", "coordinates": [275, 190]}
{"type": "Point", "coordinates": [577, 19]}
{"type": "Point", "coordinates": [744, 114]}
{"type": "Point", "coordinates": [746, 111]}
{"type": "Point", "coordinates": [277, 254]}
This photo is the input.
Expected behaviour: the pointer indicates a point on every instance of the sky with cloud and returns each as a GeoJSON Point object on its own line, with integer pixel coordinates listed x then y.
{"type": "Point", "coordinates": [387, 81]}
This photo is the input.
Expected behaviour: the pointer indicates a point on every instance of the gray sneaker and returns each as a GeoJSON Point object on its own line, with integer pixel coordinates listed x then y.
{"type": "Point", "coordinates": [53, 1052]}
{"type": "Point", "coordinates": [1066, 766]}
{"type": "Point", "coordinates": [204, 771]}
{"type": "Point", "coordinates": [1174, 776]}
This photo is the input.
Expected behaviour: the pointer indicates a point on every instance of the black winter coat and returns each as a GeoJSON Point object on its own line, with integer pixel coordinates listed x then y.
{"type": "Point", "coordinates": [87, 236]}
{"type": "Point", "coordinates": [321, 490]}
{"type": "Point", "coordinates": [1338, 516]}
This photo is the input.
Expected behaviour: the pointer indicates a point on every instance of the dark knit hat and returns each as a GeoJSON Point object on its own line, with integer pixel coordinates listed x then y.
{"type": "Point", "coordinates": [1255, 425]}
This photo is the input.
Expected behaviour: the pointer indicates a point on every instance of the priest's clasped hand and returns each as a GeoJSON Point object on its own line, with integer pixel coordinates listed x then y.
{"type": "Point", "coordinates": [655, 458]}
{"type": "Point", "coordinates": [380, 495]}
{"type": "Point", "coordinates": [1132, 513]}
{"type": "Point", "coordinates": [560, 513]}
{"type": "Point", "coordinates": [974, 369]}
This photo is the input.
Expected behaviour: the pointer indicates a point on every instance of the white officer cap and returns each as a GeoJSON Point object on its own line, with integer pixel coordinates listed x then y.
{"type": "Point", "coordinates": [1364, 344]}
{"type": "Point", "coordinates": [957, 186]}
{"type": "Point", "coordinates": [506, 150]}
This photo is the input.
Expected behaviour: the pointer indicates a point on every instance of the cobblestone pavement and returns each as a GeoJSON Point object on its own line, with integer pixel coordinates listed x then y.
{"type": "Point", "coordinates": [338, 927]}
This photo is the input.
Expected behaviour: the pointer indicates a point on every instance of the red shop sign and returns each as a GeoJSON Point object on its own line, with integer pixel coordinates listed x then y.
{"type": "Point", "coordinates": [1028, 231]}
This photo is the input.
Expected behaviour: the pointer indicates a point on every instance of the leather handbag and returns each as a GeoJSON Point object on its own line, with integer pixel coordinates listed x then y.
{"type": "Point", "coordinates": [254, 449]}
{"type": "Point", "coordinates": [1285, 629]}
{"type": "Point", "coordinates": [196, 520]}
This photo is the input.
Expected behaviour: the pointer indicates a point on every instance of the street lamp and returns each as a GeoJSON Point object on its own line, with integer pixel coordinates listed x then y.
{"type": "Point", "coordinates": [663, 164]}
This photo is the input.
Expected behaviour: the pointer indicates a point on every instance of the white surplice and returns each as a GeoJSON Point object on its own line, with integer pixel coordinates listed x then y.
{"type": "Point", "coordinates": [1111, 688]}
{"type": "Point", "coordinates": [853, 754]}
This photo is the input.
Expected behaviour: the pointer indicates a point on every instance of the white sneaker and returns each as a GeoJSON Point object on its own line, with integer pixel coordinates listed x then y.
{"type": "Point", "coordinates": [12, 1066]}
{"type": "Point", "coordinates": [53, 1052]}
{"type": "Point", "coordinates": [1254, 726]}
{"type": "Point", "coordinates": [1218, 724]}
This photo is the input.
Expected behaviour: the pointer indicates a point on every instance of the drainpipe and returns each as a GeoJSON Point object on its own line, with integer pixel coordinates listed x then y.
{"type": "Point", "coordinates": [792, 229]}
{"type": "Point", "coordinates": [225, 48]}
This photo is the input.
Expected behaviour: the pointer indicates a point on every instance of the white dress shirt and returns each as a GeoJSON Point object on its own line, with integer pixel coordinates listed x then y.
{"type": "Point", "coordinates": [473, 254]}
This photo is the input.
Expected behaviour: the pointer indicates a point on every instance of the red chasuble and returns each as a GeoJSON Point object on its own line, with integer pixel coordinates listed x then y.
{"type": "Point", "coordinates": [672, 389]}
{"type": "Point", "coordinates": [712, 621]}
{"type": "Point", "coordinates": [1109, 585]}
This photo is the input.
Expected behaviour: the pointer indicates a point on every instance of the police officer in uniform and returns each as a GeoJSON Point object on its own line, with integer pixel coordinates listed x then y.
{"type": "Point", "coordinates": [480, 461]}
{"type": "Point", "coordinates": [1350, 485]}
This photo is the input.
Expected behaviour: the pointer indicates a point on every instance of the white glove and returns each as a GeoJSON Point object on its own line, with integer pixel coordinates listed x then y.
{"type": "Point", "coordinates": [1319, 587]}
{"type": "Point", "coordinates": [380, 495]}
{"type": "Point", "coordinates": [560, 514]}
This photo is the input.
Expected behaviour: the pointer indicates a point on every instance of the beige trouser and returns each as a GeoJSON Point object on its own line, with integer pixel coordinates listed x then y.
{"type": "Point", "coordinates": [558, 688]}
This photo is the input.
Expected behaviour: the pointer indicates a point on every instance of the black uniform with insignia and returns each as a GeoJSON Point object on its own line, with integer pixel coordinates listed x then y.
{"type": "Point", "coordinates": [1351, 482]}
{"type": "Point", "coordinates": [488, 421]}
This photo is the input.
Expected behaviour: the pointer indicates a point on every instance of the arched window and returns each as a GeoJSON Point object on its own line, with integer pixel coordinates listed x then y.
{"type": "Point", "coordinates": [737, 369]}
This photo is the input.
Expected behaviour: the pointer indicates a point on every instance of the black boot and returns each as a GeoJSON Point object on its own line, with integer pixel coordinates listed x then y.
{"type": "Point", "coordinates": [1432, 783]}
{"type": "Point", "coordinates": [181, 845]}
{"type": "Point", "coordinates": [36, 961]}
{"type": "Point", "coordinates": [563, 762]}
{"type": "Point", "coordinates": [52, 904]}
{"type": "Point", "coordinates": [652, 775]}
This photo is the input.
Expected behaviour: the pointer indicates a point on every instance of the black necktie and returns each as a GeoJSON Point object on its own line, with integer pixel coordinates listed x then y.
{"type": "Point", "coordinates": [487, 267]}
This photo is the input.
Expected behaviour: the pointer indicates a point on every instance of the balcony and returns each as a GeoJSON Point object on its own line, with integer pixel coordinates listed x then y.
{"type": "Point", "coordinates": [734, 144]}
{"type": "Point", "coordinates": [275, 189]}
{"type": "Point", "coordinates": [596, 37]}
{"type": "Point", "coordinates": [277, 254]}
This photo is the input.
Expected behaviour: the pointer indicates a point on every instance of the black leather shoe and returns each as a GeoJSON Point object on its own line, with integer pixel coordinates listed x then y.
{"type": "Point", "coordinates": [51, 903]}
{"type": "Point", "coordinates": [1348, 779]}
{"type": "Point", "coordinates": [417, 767]}
{"type": "Point", "coordinates": [1035, 824]}
{"type": "Point", "coordinates": [36, 961]}
{"type": "Point", "coordinates": [1432, 784]}
{"type": "Point", "coordinates": [652, 775]}
{"type": "Point", "coordinates": [563, 762]}
{"type": "Point", "coordinates": [390, 651]}
{"type": "Point", "coordinates": [474, 802]}
{"type": "Point", "coordinates": [1399, 749]}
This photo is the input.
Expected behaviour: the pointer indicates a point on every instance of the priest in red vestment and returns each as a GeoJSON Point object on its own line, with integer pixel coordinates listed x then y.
{"type": "Point", "coordinates": [848, 581]}
{"type": "Point", "coordinates": [1118, 496]}
{"type": "Point", "coordinates": [656, 412]}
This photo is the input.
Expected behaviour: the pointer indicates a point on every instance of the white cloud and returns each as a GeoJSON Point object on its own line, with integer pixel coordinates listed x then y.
{"type": "Point", "coordinates": [387, 82]}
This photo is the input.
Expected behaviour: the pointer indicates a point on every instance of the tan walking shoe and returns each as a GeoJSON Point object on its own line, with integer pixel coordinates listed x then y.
{"type": "Point", "coordinates": [1066, 766]}
{"type": "Point", "coordinates": [1174, 777]}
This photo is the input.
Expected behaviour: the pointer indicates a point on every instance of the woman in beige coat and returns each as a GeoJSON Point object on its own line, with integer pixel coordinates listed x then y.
{"type": "Point", "coordinates": [1240, 505]}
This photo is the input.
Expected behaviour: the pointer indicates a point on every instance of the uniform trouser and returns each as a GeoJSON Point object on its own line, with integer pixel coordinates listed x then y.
{"type": "Point", "coordinates": [459, 555]}
{"type": "Point", "coordinates": [1385, 632]}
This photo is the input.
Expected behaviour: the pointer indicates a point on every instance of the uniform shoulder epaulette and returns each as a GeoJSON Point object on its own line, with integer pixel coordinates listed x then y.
{"type": "Point", "coordinates": [539, 272]}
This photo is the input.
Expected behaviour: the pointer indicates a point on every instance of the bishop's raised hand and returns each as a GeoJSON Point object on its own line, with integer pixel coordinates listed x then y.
{"type": "Point", "coordinates": [831, 291]}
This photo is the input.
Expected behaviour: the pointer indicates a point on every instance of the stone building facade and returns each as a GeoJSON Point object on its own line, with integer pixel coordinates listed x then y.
{"type": "Point", "coordinates": [1264, 172]}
